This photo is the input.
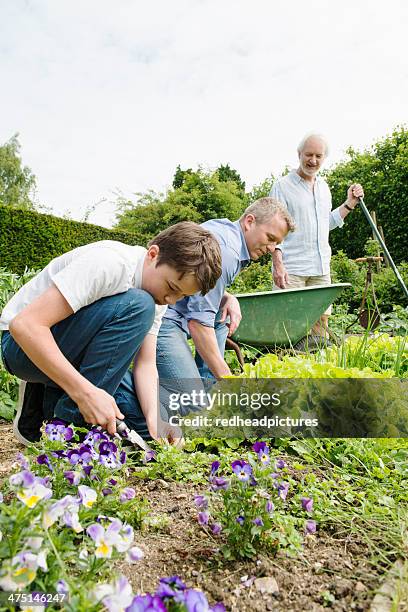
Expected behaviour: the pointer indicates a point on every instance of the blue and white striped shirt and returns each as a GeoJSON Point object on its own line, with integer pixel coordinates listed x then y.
{"type": "Point", "coordinates": [306, 251]}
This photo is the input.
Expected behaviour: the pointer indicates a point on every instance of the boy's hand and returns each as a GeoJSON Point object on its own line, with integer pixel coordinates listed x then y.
{"type": "Point", "coordinates": [165, 433]}
{"type": "Point", "coordinates": [99, 408]}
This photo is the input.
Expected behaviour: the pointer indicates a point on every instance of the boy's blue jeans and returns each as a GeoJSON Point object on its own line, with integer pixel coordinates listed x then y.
{"type": "Point", "coordinates": [99, 340]}
{"type": "Point", "coordinates": [179, 372]}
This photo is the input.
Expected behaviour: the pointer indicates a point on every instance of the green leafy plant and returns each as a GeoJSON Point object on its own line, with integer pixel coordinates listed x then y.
{"type": "Point", "coordinates": [247, 509]}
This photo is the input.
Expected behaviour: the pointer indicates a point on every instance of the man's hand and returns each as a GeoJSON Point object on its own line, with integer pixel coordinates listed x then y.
{"type": "Point", "coordinates": [99, 408]}
{"type": "Point", "coordinates": [280, 276]}
{"type": "Point", "coordinates": [354, 192]}
{"type": "Point", "coordinates": [230, 308]}
{"type": "Point", "coordinates": [165, 433]}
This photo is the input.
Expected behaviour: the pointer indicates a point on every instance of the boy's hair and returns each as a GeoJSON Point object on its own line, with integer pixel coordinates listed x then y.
{"type": "Point", "coordinates": [189, 248]}
{"type": "Point", "coordinates": [266, 208]}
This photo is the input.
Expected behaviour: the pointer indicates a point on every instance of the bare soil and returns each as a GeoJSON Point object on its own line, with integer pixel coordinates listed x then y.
{"type": "Point", "coordinates": [328, 568]}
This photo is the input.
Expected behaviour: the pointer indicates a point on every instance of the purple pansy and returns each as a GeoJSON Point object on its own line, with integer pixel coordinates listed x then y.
{"type": "Point", "coordinates": [214, 468]}
{"type": "Point", "coordinates": [280, 464]}
{"type": "Point", "coordinates": [240, 520]}
{"type": "Point", "coordinates": [262, 450]}
{"type": "Point", "coordinates": [44, 460]}
{"type": "Point", "coordinates": [25, 478]}
{"type": "Point", "coordinates": [80, 456]}
{"type": "Point", "coordinates": [22, 461]}
{"type": "Point", "coordinates": [147, 603]}
{"type": "Point", "coordinates": [203, 518]}
{"type": "Point", "coordinates": [310, 526]}
{"type": "Point", "coordinates": [269, 506]}
{"type": "Point", "coordinates": [201, 502]}
{"type": "Point", "coordinates": [219, 482]}
{"type": "Point", "coordinates": [58, 430]}
{"type": "Point", "coordinates": [258, 521]}
{"type": "Point", "coordinates": [127, 494]}
{"type": "Point", "coordinates": [307, 504]}
{"type": "Point", "coordinates": [242, 469]}
{"type": "Point", "coordinates": [216, 528]}
{"type": "Point", "coordinates": [106, 447]}
{"type": "Point", "coordinates": [171, 587]}
{"type": "Point", "coordinates": [283, 488]}
{"type": "Point", "coordinates": [95, 436]}
{"type": "Point", "coordinates": [148, 456]}
{"type": "Point", "coordinates": [73, 477]}
{"type": "Point", "coordinates": [195, 601]}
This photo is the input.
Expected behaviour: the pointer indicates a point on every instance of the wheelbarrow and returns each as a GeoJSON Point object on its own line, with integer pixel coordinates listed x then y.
{"type": "Point", "coordinates": [279, 319]}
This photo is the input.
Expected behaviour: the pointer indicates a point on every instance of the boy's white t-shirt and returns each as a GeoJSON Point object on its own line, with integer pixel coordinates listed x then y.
{"type": "Point", "coordinates": [85, 275]}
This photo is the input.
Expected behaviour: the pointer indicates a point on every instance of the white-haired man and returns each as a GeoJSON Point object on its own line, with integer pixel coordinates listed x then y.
{"type": "Point", "coordinates": [303, 260]}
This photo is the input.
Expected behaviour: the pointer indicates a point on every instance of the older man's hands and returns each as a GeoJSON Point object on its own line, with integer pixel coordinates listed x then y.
{"type": "Point", "coordinates": [354, 192]}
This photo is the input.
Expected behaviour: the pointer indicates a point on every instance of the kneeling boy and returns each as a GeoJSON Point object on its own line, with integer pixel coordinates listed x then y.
{"type": "Point", "coordinates": [72, 331]}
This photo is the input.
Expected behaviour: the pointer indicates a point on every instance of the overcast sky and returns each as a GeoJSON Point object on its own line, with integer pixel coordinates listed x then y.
{"type": "Point", "coordinates": [111, 95]}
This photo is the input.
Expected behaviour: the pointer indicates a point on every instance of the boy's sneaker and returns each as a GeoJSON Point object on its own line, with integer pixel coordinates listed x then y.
{"type": "Point", "coordinates": [29, 417]}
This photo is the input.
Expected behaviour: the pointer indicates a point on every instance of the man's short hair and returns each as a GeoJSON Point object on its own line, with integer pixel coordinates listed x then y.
{"type": "Point", "coordinates": [190, 249]}
{"type": "Point", "coordinates": [305, 138]}
{"type": "Point", "coordinates": [265, 208]}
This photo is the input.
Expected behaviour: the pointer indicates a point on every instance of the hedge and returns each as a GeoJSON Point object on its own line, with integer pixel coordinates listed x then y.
{"type": "Point", "coordinates": [383, 172]}
{"type": "Point", "coordinates": [32, 239]}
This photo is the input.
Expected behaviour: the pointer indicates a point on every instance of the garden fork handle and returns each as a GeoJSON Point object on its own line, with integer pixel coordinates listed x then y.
{"type": "Point", "coordinates": [384, 248]}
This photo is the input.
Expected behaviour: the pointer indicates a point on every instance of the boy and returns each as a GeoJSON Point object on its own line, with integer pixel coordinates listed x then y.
{"type": "Point", "coordinates": [72, 331]}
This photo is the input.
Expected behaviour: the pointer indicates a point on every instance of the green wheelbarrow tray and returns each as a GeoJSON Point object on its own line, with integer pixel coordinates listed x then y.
{"type": "Point", "coordinates": [282, 317]}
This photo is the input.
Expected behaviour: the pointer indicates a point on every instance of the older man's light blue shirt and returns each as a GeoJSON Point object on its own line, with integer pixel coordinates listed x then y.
{"type": "Point", "coordinates": [306, 251]}
{"type": "Point", "coordinates": [235, 256]}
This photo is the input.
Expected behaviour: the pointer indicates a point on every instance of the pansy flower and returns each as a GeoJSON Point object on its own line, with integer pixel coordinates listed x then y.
{"type": "Point", "coordinates": [283, 488]}
{"type": "Point", "coordinates": [44, 460]}
{"type": "Point", "coordinates": [219, 482]}
{"type": "Point", "coordinates": [116, 597]}
{"type": "Point", "coordinates": [262, 450]}
{"type": "Point", "coordinates": [280, 464]}
{"type": "Point", "coordinates": [73, 477]}
{"type": "Point", "coordinates": [80, 456]}
{"type": "Point", "coordinates": [203, 517]}
{"type": "Point", "coordinates": [148, 455]}
{"type": "Point", "coordinates": [58, 431]}
{"type": "Point", "coordinates": [127, 494]}
{"type": "Point", "coordinates": [241, 469]}
{"type": "Point", "coordinates": [201, 502]}
{"type": "Point", "coordinates": [87, 496]}
{"type": "Point", "coordinates": [214, 468]}
{"type": "Point", "coordinates": [307, 504]}
{"type": "Point", "coordinates": [310, 526]}
{"type": "Point", "coordinates": [147, 603]}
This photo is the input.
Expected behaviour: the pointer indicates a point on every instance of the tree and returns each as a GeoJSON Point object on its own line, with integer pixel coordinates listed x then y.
{"type": "Point", "coordinates": [262, 190]}
{"type": "Point", "coordinates": [383, 172]}
{"type": "Point", "coordinates": [17, 182]}
{"type": "Point", "coordinates": [225, 174]}
{"type": "Point", "coordinates": [197, 196]}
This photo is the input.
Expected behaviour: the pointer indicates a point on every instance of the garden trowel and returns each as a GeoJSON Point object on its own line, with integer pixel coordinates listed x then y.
{"type": "Point", "coordinates": [130, 434]}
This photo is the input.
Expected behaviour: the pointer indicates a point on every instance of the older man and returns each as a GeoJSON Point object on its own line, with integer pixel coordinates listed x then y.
{"type": "Point", "coordinates": [304, 258]}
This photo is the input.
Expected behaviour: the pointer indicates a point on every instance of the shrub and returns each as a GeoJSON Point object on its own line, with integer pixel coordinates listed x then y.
{"type": "Point", "coordinates": [32, 239]}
